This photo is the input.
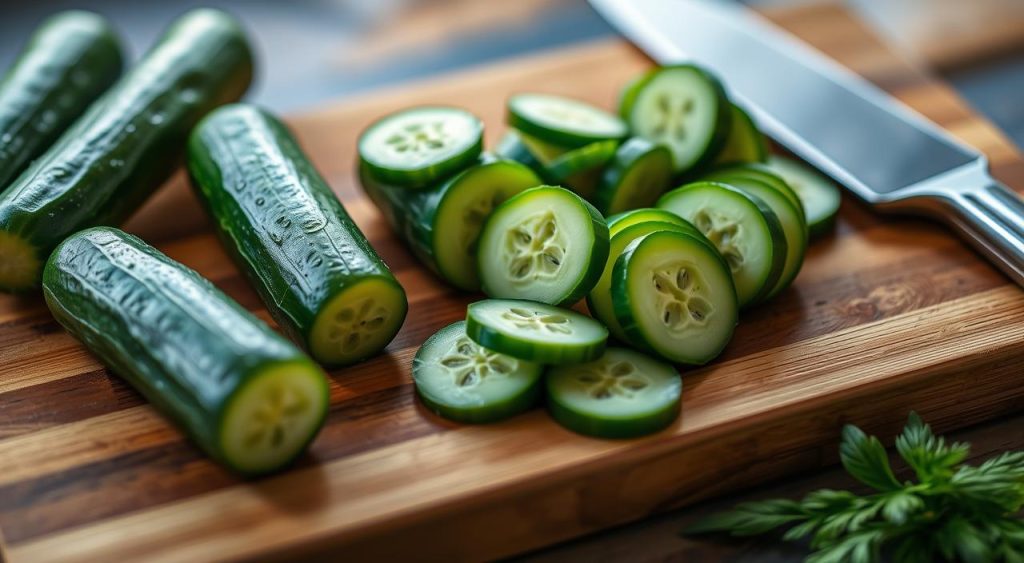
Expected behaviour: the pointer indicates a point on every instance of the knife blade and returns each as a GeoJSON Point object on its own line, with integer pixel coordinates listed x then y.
{"type": "Point", "coordinates": [884, 152]}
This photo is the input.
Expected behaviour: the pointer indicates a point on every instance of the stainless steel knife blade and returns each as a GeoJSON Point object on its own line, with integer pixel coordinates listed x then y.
{"type": "Point", "coordinates": [883, 151]}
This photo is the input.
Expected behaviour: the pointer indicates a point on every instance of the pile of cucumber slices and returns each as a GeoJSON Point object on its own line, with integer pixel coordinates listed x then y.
{"type": "Point", "coordinates": [669, 217]}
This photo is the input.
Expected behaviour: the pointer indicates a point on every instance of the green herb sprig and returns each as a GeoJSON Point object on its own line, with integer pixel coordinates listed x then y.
{"type": "Point", "coordinates": [951, 511]}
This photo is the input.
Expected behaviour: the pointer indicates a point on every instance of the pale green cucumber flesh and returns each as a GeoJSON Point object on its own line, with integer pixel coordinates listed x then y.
{"type": "Point", "coordinates": [534, 331]}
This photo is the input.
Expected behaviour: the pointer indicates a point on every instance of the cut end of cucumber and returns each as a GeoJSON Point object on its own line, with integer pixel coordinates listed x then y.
{"type": "Point", "coordinates": [358, 322]}
{"type": "Point", "coordinates": [20, 266]}
{"type": "Point", "coordinates": [273, 416]}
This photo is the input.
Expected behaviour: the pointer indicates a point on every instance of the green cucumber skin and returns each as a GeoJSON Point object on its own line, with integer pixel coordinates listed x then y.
{"type": "Point", "coordinates": [299, 247]}
{"type": "Point", "coordinates": [167, 331]}
{"type": "Point", "coordinates": [610, 429]}
{"type": "Point", "coordinates": [132, 138]}
{"type": "Point", "coordinates": [486, 414]}
{"type": "Point", "coordinates": [70, 60]}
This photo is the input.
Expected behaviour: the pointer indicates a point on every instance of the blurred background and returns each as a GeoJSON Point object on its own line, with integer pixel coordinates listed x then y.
{"type": "Point", "coordinates": [315, 51]}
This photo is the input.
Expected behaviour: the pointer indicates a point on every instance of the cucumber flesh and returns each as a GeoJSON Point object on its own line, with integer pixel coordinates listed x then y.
{"type": "Point", "coordinates": [639, 173]}
{"type": "Point", "coordinates": [358, 321]}
{"type": "Point", "coordinates": [578, 169]}
{"type": "Point", "coordinates": [421, 145]}
{"type": "Point", "coordinates": [674, 296]}
{"type": "Point", "coordinates": [623, 394]}
{"type": "Point", "coordinates": [563, 121]}
{"type": "Point", "coordinates": [535, 332]}
{"type": "Point", "coordinates": [545, 244]}
{"type": "Point", "coordinates": [463, 381]}
{"type": "Point", "coordinates": [759, 172]}
{"type": "Point", "coordinates": [819, 195]}
{"type": "Point", "coordinates": [742, 227]}
{"type": "Point", "coordinates": [620, 221]}
{"type": "Point", "coordinates": [745, 142]}
{"type": "Point", "coordinates": [683, 107]}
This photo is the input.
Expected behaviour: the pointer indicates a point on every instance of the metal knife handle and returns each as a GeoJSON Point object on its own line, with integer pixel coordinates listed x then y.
{"type": "Point", "coordinates": [991, 217]}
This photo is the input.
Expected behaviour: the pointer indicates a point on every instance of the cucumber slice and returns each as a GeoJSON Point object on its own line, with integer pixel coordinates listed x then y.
{"type": "Point", "coordinates": [742, 227]}
{"type": "Point", "coordinates": [462, 381]}
{"type": "Point", "coordinates": [683, 107]}
{"type": "Point", "coordinates": [819, 195]}
{"type": "Point", "coordinates": [620, 221]}
{"type": "Point", "coordinates": [639, 173]}
{"type": "Point", "coordinates": [674, 296]}
{"type": "Point", "coordinates": [563, 121]}
{"type": "Point", "coordinates": [759, 172]}
{"type": "Point", "coordinates": [535, 332]}
{"type": "Point", "coordinates": [745, 142]}
{"type": "Point", "coordinates": [599, 300]}
{"type": "Point", "coordinates": [577, 169]}
{"type": "Point", "coordinates": [794, 226]}
{"type": "Point", "coordinates": [545, 244]}
{"type": "Point", "coordinates": [421, 145]}
{"type": "Point", "coordinates": [623, 394]}
{"type": "Point", "coordinates": [513, 147]}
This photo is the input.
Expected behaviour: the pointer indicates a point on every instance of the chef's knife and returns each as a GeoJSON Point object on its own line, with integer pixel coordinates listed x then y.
{"type": "Point", "coordinates": [884, 152]}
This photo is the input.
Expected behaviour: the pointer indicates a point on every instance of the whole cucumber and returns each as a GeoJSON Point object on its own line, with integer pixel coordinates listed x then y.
{"type": "Point", "coordinates": [316, 272]}
{"type": "Point", "coordinates": [126, 144]}
{"type": "Point", "coordinates": [243, 393]}
{"type": "Point", "coordinates": [69, 61]}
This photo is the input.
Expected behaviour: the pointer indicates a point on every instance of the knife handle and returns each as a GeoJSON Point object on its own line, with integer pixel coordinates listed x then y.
{"type": "Point", "coordinates": [991, 217]}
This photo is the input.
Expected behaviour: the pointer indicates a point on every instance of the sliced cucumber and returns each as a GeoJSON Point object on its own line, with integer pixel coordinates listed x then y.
{"type": "Point", "coordinates": [745, 142]}
{"type": "Point", "coordinates": [791, 217]}
{"type": "Point", "coordinates": [577, 169]}
{"type": "Point", "coordinates": [460, 380]}
{"type": "Point", "coordinates": [683, 107]}
{"type": "Point", "coordinates": [819, 195]}
{"type": "Point", "coordinates": [742, 227]}
{"type": "Point", "coordinates": [620, 221]}
{"type": "Point", "coordinates": [421, 145]}
{"type": "Point", "coordinates": [534, 331]}
{"type": "Point", "coordinates": [640, 172]}
{"type": "Point", "coordinates": [563, 121]}
{"type": "Point", "coordinates": [674, 296]}
{"type": "Point", "coordinates": [759, 172]}
{"type": "Point", "coordinates": [623, 394]}
{"type": "Point", "coordinates": [545, 244]}
{"type": "Point", "coordinates": [599, 300]}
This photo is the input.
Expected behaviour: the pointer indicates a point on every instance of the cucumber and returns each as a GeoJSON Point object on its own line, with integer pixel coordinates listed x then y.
{"type": "Point", "coordinates": [683, 107]}
{"type": "Point", "coordinates": [563, 121]}
{"type": "Point", "coordinates": [126, 144]}
{"type": "Point", "coordinates": [243, 393]}
{"type": "Point", "coordinates": [422, 145]}
{"type": "Point", "coordinates": [463, 381]}
{"type": "Point", "coordinates": [599, 300]}
{"type": "Point", "coordinates": [620, 221]}
{"type": "Point", "coordinates": [577, 169]}
{"type": "Point", "coordinates": [673, 295]}
{"type": "Point", "coordinates": [742, 227]}
{"type": "Point", "coordinates": [545, 244]}
{"type": "Point", "coordinates": [285, 228]}
{"type": "Point", "coordinates": [441, 224]}
{"type": "Point", "coordinates": [640, 172]}
{"type": "Point", "coordinates": [819, 195]}
{"type": "Point", "coordinates": [745, 143]}
{"type": "Point", "coordinates": [623, 394]}
{"type": "Point", "coordinates": [534, 331]}
{"type": "Point", "coordinates": [759, 172]}
{"type": "Point", "coordinates": [69, 61]}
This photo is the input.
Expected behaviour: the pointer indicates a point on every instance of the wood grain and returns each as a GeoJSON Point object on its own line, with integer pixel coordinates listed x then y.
{"type": "Point", "coordinates": [886, 316]}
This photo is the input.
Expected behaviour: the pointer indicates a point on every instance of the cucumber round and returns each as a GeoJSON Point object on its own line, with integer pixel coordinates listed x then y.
{"type": "Point", "coordinates": [819, 195]}
{"type": "Point", "coordinates": [794, 226]}
{"type": "Point", "coordinates": [243, 393]}
{"type": "Point", "coordinates": [545, 244]}
{"type": "Point", "coordinates": [578, 169]}
{"type": "Point", "coordinates": [563, 121]}
{"type": "Point", "coordinates": [463, 381]}
{"type": "Point", "coordinates": [759, 172]}
{"type": "Point", "coordinates": [674, 296]}
{"type": "Point", "coordinates": [535, 332]}
{"type": "Point", "coordinates": [620, 221]}
{"type": "Point", "coordinates": [421, 145]}
{"type": "Point", "coordinates": [623, 394]}
{"type": "Point", "coordinates": [639, 173]}
{"type": "Point", "coordinates": [599, 300]}
{"type": "Point", "coordinates": [742, 227]}
{"type": "Point", "coordinates": [745, 143]}
{"type": "Point", "coordinates": [683, 107]}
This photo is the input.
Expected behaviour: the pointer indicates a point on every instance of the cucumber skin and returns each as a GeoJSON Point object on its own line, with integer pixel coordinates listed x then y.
{"type": "Point", "coordinates": [114, 156]}
{"type": "Point", "coordinates": [162, 327]}
{"type": "Point", "coordinates": [240, 154]}
{"type": "Point", "coordinates": [69, 61]}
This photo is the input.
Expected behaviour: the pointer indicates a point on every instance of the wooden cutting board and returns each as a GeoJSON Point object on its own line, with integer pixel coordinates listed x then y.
{"type": "Point", "coordinates": [887, 315]}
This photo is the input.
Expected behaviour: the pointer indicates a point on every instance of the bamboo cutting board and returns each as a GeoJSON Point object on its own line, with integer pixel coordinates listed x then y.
{"type": "Point", "coordinates": [887, 315]}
